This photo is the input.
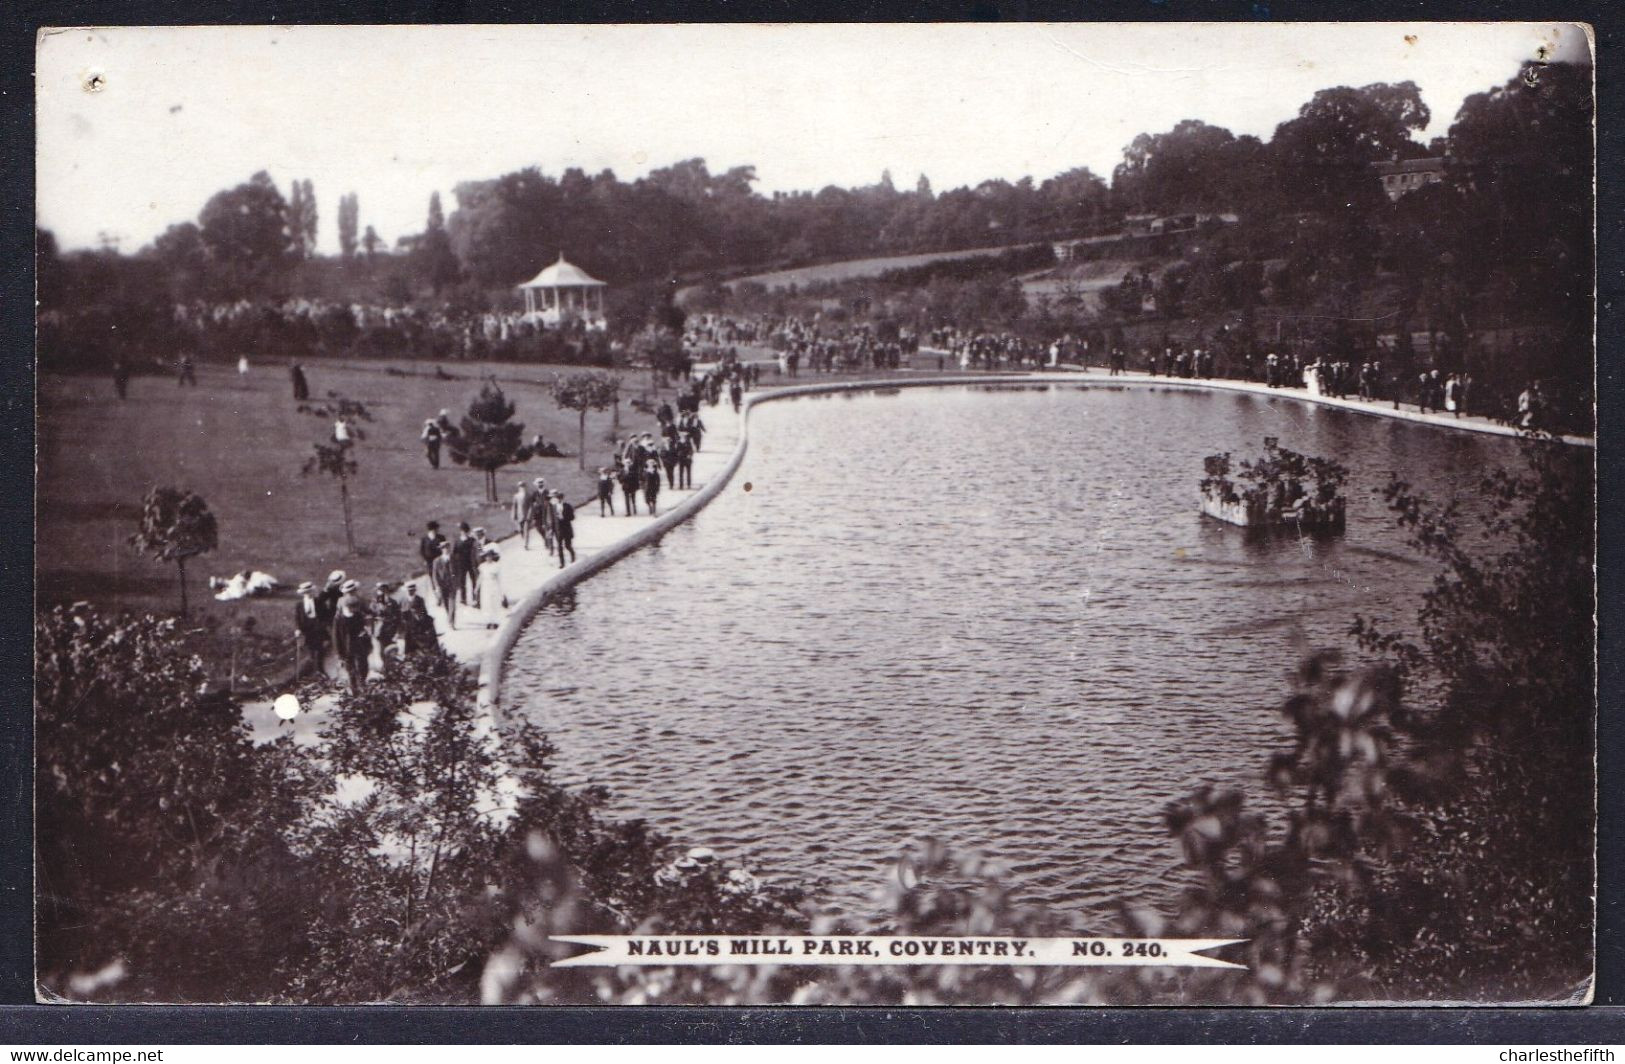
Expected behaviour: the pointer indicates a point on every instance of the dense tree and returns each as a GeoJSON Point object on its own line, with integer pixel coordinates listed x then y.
{"type": "Point", "coordinates": [247, 234]}
{"type": "Point", "coordinates": [1323, 156]}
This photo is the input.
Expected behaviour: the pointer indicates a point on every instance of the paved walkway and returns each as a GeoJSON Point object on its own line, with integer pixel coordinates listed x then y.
{"type": "Point", "coordinates": [524, 571]}
{"type": "Point", "coordinates": [1404, 412]}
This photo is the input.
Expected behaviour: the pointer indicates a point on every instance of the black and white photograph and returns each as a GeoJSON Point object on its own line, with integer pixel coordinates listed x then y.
{"type": "Point", "coordinates": [816, 514]}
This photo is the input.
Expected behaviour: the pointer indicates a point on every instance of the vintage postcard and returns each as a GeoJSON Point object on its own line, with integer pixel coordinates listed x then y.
{"type": "Point", "coordinates": [1078, 514]}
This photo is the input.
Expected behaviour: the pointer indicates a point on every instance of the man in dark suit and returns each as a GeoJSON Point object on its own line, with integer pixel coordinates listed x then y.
{"type": "Point", "coordinates": [564, 527]}
{"type": "Point", "coordinates": [429, 545]}
{"type": "Point", "coordinates": [350, 636]}
{"type": "Point", "coordinates": [444, 578]}
{"type": "Point", "coordinates": [466, 560]}
{"type": "Point", "coordinates": [307, 621]}
{"type": "Point", "coordinates": [418, 625]}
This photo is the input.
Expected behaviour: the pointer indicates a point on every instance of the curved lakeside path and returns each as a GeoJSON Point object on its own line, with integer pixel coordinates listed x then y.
{"type": "Point", "coordinates": [533, 577]}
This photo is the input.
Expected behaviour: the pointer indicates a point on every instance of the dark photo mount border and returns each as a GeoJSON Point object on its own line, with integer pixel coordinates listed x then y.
{"type": "Point", "coordinates": [22, 1021]}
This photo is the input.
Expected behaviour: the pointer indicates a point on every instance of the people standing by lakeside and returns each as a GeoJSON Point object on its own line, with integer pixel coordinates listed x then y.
{"type": "Point", "coordinates": [301, 387]}
{"type": "Point", "coordinates": [446, 581]}
{"type": "Point", "coordinates": [606, 492]}
{"type": "Point", "coordinates": [465, 553]}
{"type": "Point", "coordinates": [432, 438]}
{"type": "Point", "coordinates": [186, 375]}
{"type": "Point", "coordinates": [565, 523]}
{"type": "Point", "coordinates": [1452, 395]}
{"type": "Point", "coordinates": [651, 484]}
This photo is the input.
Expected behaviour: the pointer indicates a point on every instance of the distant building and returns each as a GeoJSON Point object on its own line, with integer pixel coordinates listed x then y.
{"type": "Point", "coordinates": [1407, 175]}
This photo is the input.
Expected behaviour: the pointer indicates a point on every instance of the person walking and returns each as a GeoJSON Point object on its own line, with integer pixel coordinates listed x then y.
{"type": "Point", "coordinates": [301, 387]}
{"type": "Point", "coordinates": [630, 479]}
{"type": "Point", "coordinates": [242, 368]}
{"type": "Point", "coordinates": [565, 524]}
{"type": "Point", "coordinates": [417, 624]}
{"type": "Point", "coordinates": [389, 623]}
{"type": "Point", "coordinates": [307, 621]}
{"type": "Point", "coordinates": [350, 636]}
{"type": "Point", "coordinates": [121, 377]}
{"type": "Point", "coordinates": [490, 589]}
{"type": "Point", "coordinates": [651, 484]}
{"type": "Point", "coordinates": [446, 580]}
{"type": "Point", "coordinates": [465, 552]}
{"type": "Point", "coordinates": [685, 463]}
{"type": "Point", "coordinates": [186, 374]}
{"type": "Point", "coordinates": [606, 492]}
{"type": "Point", "coordinates": [432, 438]}
{"type": "Point", "coordinates": [668, 461]}
{"type": "Point", "coordinates": [430, 542]}
{"type": "Point", "coordinates": [520, 511]}
{"type": "Point", "coordinates": [541, 513]}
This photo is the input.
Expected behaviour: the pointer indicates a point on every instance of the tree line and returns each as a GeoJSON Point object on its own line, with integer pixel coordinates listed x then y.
{"type": "Point", "coordinates": [1510, 224]}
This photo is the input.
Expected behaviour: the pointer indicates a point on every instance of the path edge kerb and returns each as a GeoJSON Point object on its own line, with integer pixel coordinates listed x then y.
{"type": "Point", "coordinates": [494, 660]}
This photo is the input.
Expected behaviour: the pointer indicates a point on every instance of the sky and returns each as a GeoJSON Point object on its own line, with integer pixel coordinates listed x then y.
{"type": "Point", "coordinates": [138, 127]}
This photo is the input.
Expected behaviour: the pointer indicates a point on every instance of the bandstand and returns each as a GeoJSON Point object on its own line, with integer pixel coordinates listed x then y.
{"type": "Point", "coordinates": [564, 292]}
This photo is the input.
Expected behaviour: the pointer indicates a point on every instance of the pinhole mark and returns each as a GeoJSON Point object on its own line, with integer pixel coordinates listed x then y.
{"type": "Point", "coordinates": [94, 81]}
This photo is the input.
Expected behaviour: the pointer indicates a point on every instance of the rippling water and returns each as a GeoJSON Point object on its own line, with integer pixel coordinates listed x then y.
{"type": "Point", "coordinates": [989, 615]}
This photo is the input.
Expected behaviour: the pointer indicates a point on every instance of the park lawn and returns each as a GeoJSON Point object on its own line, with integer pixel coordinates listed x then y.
{"type": "Point", "coordinates": [241, 445]}
{"type": "Point", "coordinates": [851, 269]}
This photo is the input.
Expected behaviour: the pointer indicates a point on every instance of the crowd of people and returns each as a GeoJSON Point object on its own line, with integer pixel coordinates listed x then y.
{"type": "Point", "coordinates": [337, 626]}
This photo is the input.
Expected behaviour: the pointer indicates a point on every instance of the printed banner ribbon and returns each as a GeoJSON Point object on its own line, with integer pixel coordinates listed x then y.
{"type": "Point", "coordinates": [611, 950]}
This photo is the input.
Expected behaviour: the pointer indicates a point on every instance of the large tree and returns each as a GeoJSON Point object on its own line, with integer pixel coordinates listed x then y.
{"type": "Point", "coordinates": [247, 234]}
{"type": "Point", "coordinates": [1323, 156]}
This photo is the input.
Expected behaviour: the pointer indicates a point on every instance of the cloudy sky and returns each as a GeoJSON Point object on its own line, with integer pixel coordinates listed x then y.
{"type": "Point", "coordinates": [396, 113]}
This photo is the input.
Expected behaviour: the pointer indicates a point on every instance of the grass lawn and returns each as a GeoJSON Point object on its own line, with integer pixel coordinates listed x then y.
{"type": "Point", "coordinates": [872, 267]}
{"type": "Point", "coordinates": [241, 445]}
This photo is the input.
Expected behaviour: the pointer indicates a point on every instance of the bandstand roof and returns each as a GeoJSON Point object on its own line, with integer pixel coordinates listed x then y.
{"type": "Point", "coordinates": [563, 275]}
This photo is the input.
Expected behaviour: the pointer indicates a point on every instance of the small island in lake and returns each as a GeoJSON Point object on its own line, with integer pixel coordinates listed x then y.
{"type": "Point", "coordinates": [1281, 488]}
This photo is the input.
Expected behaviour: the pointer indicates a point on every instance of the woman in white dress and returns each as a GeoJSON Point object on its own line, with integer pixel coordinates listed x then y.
{"type": "Point", "coordinates": [492, 601]}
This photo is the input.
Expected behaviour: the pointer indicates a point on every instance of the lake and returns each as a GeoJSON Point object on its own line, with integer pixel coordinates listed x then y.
{"type": "Point", "coordinates": [986, 614]}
